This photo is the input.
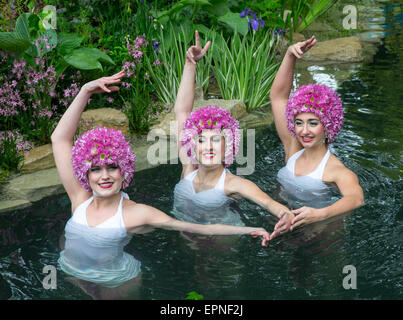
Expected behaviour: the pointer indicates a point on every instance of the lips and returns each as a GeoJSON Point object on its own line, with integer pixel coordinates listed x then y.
{"type": "Point", "coordinates": [106, 185]}
{"type": "Point", "coordinates": [307, 139]}
{"type": "Point", "coordinates": [209, 155]}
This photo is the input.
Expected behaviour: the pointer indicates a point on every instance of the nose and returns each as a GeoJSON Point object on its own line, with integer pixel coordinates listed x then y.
{"type": "Point", "coordinates": [104, 173]}
{"type": "Point", "coordinates": [305, 128]}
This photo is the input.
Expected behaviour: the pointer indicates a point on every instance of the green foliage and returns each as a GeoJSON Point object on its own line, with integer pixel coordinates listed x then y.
{"type": "Point", "coordinates": [245, 68]}
{"type": "Point", "coordinates": [32, 40]}
{"type": "Point", "coordinates": [10, 156]}
{"type": "Point", "coordinates": [193, 295]}
{"type": "Point", "coordinates": [167, 74]}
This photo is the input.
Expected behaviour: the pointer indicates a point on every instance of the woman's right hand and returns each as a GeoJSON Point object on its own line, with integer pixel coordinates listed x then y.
{"type": "Point", "coordinates": [101, 85]}
{"type": "Point", "coordinates": [299, 48]}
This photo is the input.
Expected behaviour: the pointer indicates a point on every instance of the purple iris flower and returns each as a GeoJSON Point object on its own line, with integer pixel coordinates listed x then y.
{"type": "Point", "coordinates": [254, 24]}
{"type": "Point", "coordinates": [244, 13]}
{"type": "Point", "coordinates": [156, 44]}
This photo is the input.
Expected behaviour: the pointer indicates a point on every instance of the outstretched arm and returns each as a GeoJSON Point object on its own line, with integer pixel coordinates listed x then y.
{"type": "Point", "coordinates": [280, 92]}
{"type": "Point", "coordinates": [63, 135]}
{"type": "Point", "coordinates": [152, 217]}
{"type": "Point", "coordinates": [185, 97]}
{"type": "Point", "coordinates": [247, 189]}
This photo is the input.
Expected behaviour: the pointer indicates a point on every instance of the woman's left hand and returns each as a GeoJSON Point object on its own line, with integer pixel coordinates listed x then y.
{"type": "Point", "coordinates": [305, 215]}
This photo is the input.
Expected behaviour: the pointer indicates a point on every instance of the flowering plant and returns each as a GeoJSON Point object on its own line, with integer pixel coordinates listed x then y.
{"type": "Point", "coordinates": [215, 118]}
{"type": "Point", "coordinates": [254, 22]}
{"type": "Point", "coordinates": [102, 146]}
{"type": "Point", "coordinates": [320, 100]}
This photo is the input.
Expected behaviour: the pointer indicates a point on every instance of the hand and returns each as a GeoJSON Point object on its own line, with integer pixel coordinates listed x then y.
{"type": "Point", "coordinates": [195, 53]}
{"type": "Point", "coordinates": [299, 48]}
{"type": "Point", "coordinates": [305, 215]}
{"type": "Point", "coordinates": [261, 233]}
{"type": "Point", "coordinates": [101, 85]}
{"type": "Point", "coordinates": [283, 225]}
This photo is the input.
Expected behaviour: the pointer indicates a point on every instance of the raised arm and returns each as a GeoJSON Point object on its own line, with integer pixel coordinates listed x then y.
{"type": "Point", "coordinates": [63, 135]}
{"type": "Point", "coordinates": [185, 97]}
{"type": "Point", "coordinates": [280, 92]}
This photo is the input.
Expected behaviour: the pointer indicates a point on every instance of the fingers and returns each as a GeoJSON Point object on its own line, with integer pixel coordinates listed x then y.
{"type": "Point", "coordinates": [206, 47]}
{"type": "Point", "coordinates": [190, 55]}
{"type": "Point", "coordinates": [197, 39]}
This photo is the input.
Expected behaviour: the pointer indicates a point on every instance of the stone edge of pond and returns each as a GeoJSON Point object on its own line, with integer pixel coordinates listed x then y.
{"type": "Point", "coordinates": [24, 189]}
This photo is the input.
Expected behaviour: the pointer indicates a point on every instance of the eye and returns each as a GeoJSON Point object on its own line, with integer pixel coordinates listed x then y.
{"type": "Point", "coordinates": [313, 123]}
{"type": "Point", "coordinates": [93, 169]}
{"type": "Point", "coordinates": [299, 123]}
{"type": "Point", "coordinates": [201, 139]}
{"type": "Point", "coordinates": [217, 138]}
{"type": "Point", "coordinates": [113, 167]}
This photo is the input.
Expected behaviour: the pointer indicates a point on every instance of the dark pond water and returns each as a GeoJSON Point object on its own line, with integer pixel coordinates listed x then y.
{"type": "Point", "coordinates": [305, 264]}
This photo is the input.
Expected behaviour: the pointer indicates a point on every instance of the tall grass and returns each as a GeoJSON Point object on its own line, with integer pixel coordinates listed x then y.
{"type": "Point", "coordinates": [245, 68]}
{"type": "Point", "coordinates": [172, 54]}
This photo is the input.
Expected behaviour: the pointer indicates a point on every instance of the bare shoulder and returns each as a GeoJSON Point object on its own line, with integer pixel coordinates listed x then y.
{"type": "Point", "coordinates": [335, 171]}
{"type": "Point", "coordinates": [234, 184]}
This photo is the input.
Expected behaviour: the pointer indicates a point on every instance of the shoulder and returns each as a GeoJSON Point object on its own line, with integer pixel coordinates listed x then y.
{"type": "Point", "coordinates": [235, 185]}
{"type": "Point", "coordinates": [336, 171]}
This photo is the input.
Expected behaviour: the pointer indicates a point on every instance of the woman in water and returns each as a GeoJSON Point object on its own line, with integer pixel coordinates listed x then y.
{"type": "Point", "coordinates": [93, 172]}
{"type": "Point", "coordinates": [307, 122]}
{"type": "Point", "coordinates": [208, 141]}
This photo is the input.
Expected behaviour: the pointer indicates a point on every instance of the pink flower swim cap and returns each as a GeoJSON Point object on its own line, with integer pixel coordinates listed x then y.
{"type": "Point", "coordinates": [102, 146]}
{"type": "Point", "coordinates": [211, 117]}
{"type": "Point", "coordinates": [320, 100]}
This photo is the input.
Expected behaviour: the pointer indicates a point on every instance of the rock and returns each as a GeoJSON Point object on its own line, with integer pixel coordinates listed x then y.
{"type": "Point", "coordinates": [35, 186]}
{"type": "Point", "coordinates": [255, 119]}
{"type": "Point", "coordinates": [297, 37]}
{"type": "Point", "coordinates": [107, 117]}
{"type": "Point", "coordinates": [39, 158]}
{"type": "Point", "coordinates": [338, 50]}
{"type": "Point", "coordinates": [9, 205]}
{"type": "Point", "coordinates": [236, 107]}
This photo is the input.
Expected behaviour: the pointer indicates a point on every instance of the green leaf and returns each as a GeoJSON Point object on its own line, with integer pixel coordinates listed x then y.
{"type": "Point", "coordinates": [67, 42]}
{"type": "Point", "coordinates": [33, 26]}
{"type": "Point", "coordinates": [96, 54]}
{"type": "Point", "coordinates": [194, 296]}
{"type": "Point", "coordinates": [82, 61]}
{"type": "Point", "coordinates": [22, 26]}
{"type": "Point", "coordinates": [218, 7]}
{"type": "Point", "coordinates": [9, 41]}
{"type": "Point", "coordinates": [237, 23]}
{"type": "Point", "coordinates": [51, 35]}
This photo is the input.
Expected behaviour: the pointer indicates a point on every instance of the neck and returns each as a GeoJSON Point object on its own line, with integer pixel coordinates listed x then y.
{"type": "Point", "coordinates": [102, 202]}
{"type": "Point", "coordinates": [316, 151]}
{"type": "Point", "coordinates": [206, 174]}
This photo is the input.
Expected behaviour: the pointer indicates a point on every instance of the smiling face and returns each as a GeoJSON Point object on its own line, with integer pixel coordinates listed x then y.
{"type": "Point", "coordinates": [210, 148]}
{"type": "Point", "coordinates": [105, 180]}
{"type": "Point", "coordinates": [308, 129]}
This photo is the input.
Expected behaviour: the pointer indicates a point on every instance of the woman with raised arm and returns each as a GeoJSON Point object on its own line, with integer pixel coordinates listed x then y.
{"type": "Point", "coordinates": [307, 122]}
{"type": "Point", "coordinates": [94, 171]}
{"type": "Point", "coordinates": [208, 141]}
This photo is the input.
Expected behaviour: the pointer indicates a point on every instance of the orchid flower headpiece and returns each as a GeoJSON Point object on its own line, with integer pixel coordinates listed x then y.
{"type": "Point", "coordinates": [320, 100]}
{"type": "Point", "coordinates": [211, 117]}
{"type": "Point", "coordinates": [102, 146]}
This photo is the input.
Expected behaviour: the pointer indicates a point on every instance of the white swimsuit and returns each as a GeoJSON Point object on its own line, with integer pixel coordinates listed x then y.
{"type": "Point", "coordinates": [307, 190]}
{"type": "Point", "coordinates": [96, 253]}
{"type": "Point", "coordinates": [206, 207]}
